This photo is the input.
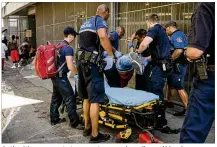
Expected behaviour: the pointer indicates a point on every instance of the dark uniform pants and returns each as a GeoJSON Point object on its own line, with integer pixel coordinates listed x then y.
{"type": "Point", "coordinates": [62, 91]}
{"type": "Point", "coordinates": [158, 79]}
{"type": "Point", "coordinates": [90, 83]}
{"type": "Point", "coordinates": [143, 81]}
{"type": "Point", "coordinates": [200, 111]}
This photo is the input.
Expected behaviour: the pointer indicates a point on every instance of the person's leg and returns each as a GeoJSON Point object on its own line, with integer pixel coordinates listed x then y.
{"type": "Point", "coordinates": [157, 82]}
{"type": "Point", "coordinates": [56, 101]}
{"type": "Point", "coordinates": [84, 74]}
{"type": "Point", "coordinates": [170, 94]}
{"type": "Point", "coordinates": [3, 62]}
{"type": "Point", "coordinates": [97, 95]}
{"type": "Point", "coordinates": [13, 58]}
{"type": "Point", "coordinates": [86, 113]}
{"type": "Point", "coordinates": [184, 97]}
{"type": "Point", "coordinates": [113, 77]}
{"type": "Point", "coordinates": [200, 111]}
{"type": "Point", "coordinates": [94, 116]}
{"type": "Point", "coordinates": [68, 96]}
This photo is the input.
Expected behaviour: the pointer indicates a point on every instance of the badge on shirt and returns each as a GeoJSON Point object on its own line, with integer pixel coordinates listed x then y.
{"type": "Point", "coordinates": [179, 39]}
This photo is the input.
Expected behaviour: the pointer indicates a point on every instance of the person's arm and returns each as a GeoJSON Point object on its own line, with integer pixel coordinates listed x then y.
{"type": "Point", "coordinates": [177, 53]}
{"type": "Point", "coordinates": [104, 41]}
{"type": "Point", "coordinates": [200, 34]}
{"type": "Point", "coordinates": [70, 64]}
{"type": "Point", "coordinates": [145, 43]}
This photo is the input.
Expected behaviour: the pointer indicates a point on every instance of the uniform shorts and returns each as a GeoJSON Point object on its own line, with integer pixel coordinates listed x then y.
{"type": "Point", "coordinates": [90, 83]}
{"type": "Point", "coordinates": [176, 80]}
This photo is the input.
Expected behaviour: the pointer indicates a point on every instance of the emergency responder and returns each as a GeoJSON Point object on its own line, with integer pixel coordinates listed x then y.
{"type": "Point", "coordinates": [62, 89]}
{"type": "Point", "coordinates": [200, 112]}
{"type": "Point", "coordinates": [158, 42]}
{"type": "Point", "coordinates": [115, 36]}
{"type": "Point", "coordinates": [112, 75]}
{"type": "Point", "coordinates": [93, 39]}
{"type": "Point", "coordinates": [142, 81]}
{"type": "Point", "coordinates": [175, 81]}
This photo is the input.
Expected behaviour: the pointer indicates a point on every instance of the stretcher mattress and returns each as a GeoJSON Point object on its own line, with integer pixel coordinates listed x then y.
{"type": "Point", "coordinates": [128, 96]}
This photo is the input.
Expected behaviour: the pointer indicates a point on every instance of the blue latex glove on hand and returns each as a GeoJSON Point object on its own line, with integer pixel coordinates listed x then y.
{"type": "Point", "coordinates": [130, 44]}
{"type": "Point", "coordinates": [145, 61]}
{"type": "Point", "coordinates": [76, 77]}
{"type": "Point", "coordinates": [109, 62]}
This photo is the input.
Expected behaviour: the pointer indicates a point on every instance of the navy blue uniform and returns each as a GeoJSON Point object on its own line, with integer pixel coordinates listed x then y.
{"type": "Point", "coordinates": [91, 81]}
{"type": "Point", "coordinates": [114, 39]}
{"type": "Point", "coordinates": [160, 50]}
{"type": "Point", "coordinates": [201, 106]}
{"type": "Point", "coordinates": [143, 81]}
{"type": "Point", "coordinates": [62, 89]}
{"type": "Point", "coordinates": [178, 41]}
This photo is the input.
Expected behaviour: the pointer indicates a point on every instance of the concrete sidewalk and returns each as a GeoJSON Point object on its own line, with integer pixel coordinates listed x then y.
{"type": "Point", "coordinates": [31, 124]}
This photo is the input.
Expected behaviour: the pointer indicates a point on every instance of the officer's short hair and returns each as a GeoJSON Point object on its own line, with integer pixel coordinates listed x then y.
{"type": "Point", "coordinates": [171, 23]}
{"type": "Point", "coordinates": [153, 18]}
{"type": "Point", "coordinates": [141, 33]}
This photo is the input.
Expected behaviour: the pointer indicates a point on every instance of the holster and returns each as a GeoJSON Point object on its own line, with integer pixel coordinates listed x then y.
{"type": "Point", "coordinates": [166, 65]}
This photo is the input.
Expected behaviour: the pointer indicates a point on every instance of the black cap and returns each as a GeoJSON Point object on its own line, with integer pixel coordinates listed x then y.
{"type": "Point", "coordinates": [170, 23]}
{"type": "Point", "coordinates": [70, 30]}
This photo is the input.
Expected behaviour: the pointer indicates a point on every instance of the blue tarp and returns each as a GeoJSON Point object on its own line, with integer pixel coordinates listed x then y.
{"type": "Point", "coordinates": [128, 96]}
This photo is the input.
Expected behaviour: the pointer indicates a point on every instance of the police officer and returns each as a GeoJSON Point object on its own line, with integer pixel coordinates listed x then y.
{"type": "Point", "coordinates": [93, 39]}
{"type": "Point", "coordinates": [175, 81]}
{"type": "Point", "coordinates": [62, 89]}
{"type": "Point", "coordinates": [112, 74]}
{"type": "Point", "coordinates": [156, 38]}
{"type": "Point", "coordinates": [200, 112]}
{"type": "Point", "coordinates": [115, 36]}
{"type": "Point", "coordinates": [142, 81]}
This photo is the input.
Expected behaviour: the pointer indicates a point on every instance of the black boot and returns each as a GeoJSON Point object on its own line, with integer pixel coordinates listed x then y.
{"type": "Point", "coordinates": [182, 113]}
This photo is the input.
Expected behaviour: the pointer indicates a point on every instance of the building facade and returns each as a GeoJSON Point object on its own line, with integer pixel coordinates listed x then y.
{"type": "Point", "coordinates": [47, 20]}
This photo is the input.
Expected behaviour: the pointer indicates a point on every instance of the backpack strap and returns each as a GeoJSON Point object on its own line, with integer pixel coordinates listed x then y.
{"type": "Point", "coordinates": [59, 46]}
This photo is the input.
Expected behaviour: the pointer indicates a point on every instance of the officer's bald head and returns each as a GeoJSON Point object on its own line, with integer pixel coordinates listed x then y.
{"type": "Point", "coordinates": [121, 31]}
{"type": "Point", "coordinates": [103, 11]}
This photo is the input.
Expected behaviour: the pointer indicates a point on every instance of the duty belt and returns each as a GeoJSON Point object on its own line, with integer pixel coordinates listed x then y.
{"type": "Point", "coordinates": [210, 67]}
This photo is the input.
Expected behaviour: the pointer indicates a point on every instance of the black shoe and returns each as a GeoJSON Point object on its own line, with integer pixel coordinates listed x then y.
{"type": "Point", "coordinates": [100, 138]}
{"type": "Point", "coordinates": [74, 123]}
{"type": "Point", "coordinates": [182, 113]}
{"type": "Point", "coordinates": [87, 132]}
{"type": "Point", "coordinates": [170, 105]}
{"type": "Point", "coordinates": [58, 121]}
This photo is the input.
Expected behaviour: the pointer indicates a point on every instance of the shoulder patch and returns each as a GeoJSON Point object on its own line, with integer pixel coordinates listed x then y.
{"type": "Point", "coordinates": [179, 39]}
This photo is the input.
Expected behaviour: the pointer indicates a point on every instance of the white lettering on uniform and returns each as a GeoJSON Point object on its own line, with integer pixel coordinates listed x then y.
{"type": "Point", "coordinates": [86, 25]}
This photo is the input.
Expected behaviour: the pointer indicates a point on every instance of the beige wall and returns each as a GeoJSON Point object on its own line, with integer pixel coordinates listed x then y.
{"type": "Point", "coordinates": [52, 18]}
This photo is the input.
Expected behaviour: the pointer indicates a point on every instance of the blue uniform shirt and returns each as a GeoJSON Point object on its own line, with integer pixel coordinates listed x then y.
{"type": "Point", "coordinates": [88, 33]}
{"type": "Point", "coordinates": [65, 51]}
{"type": "Point", "coordinates": [160, 46]}
{"type": "Point", "coordinates": [179, 41]}
{"type": "Point", "coordinates": [115, 39]}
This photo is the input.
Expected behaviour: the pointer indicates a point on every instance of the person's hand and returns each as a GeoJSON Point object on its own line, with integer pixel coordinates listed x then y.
{"type": "Point", "coordinates": [129, 39]}
{"type": "Point", "coordinates": [146, 61]}
{"type": "Point", "coordinates": [117, 54]}
{"type": "Point", "coordinates": [109, 62]}
{"type": "Point", "coordinates": [130, 44]}
{"type": "Point", "coordinates": [76, 77]}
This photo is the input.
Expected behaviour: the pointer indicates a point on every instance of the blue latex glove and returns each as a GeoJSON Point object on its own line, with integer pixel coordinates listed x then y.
{"type": "Point", "coordinates": [109, 62]}
{"type": "Point", "coordinates": [130, 44]}
{"type": "Point", "coordinates": [117, 54]}
{"type": "Point", "coordinates": [105, 54]}
{"type": "Point", "coordinates": [145, 61]}
{"type": "Point", "coordinates": [76, 77]}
